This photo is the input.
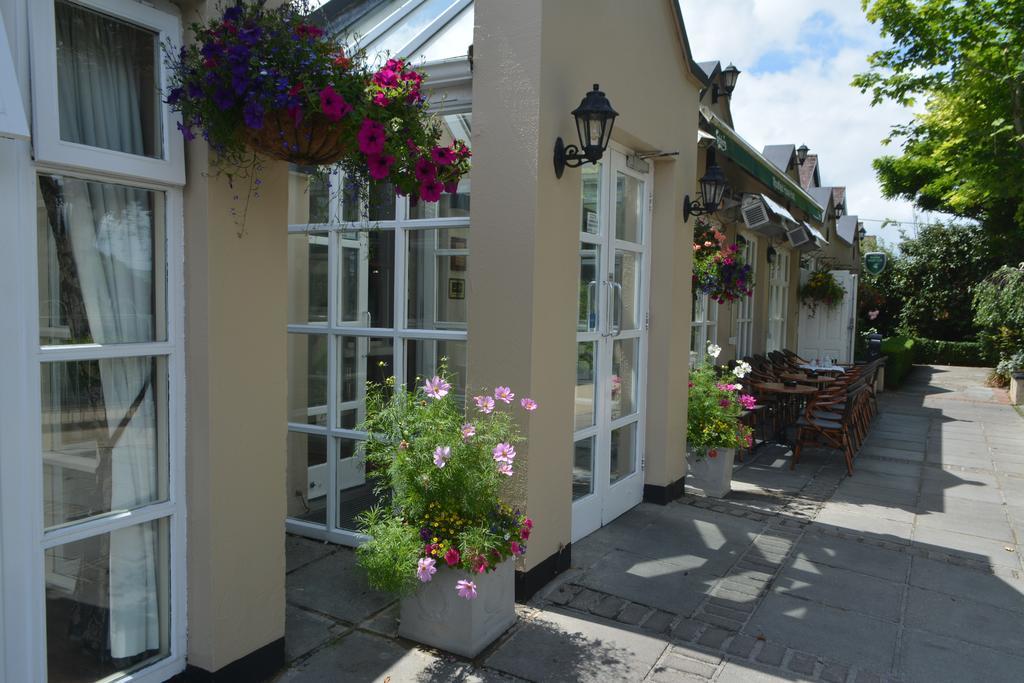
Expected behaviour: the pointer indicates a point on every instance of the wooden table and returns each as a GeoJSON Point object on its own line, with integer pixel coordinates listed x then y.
{"type": "Point", "coordinates": [792, 395]}
{"type": "Point", "coordinates": [821, 380]}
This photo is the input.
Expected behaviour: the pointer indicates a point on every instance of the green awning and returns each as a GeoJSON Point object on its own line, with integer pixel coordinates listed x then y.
{"type": "Point", "coordinates": [728, 142]}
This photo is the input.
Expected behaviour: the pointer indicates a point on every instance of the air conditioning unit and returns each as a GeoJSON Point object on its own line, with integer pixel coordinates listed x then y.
{"type": "Point", "coordinates": [762, 215]}
{"type": "Point", "coordinates": [798, 236]}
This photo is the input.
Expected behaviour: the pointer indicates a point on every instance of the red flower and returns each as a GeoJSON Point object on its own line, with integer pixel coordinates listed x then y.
{"type": "Point", "coordinates": [452, 557]}
{"type": "Point", "coordinates": [424, 170]}
{"type": "Point", "coordinates": [308, 31]}
{"type": "Point", "coordinates": [712, 453]}
{"type": "Point", "coordinates": [442, 156]}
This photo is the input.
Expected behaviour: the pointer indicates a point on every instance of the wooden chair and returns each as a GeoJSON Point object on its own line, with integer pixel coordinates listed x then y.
{"type": "Point", "coordinates": [830, 421]}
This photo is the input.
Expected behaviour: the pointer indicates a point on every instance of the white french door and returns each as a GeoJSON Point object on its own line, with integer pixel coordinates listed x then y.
{"type": "Point", "coordinates": [745, 306]}
{"type": "Point", "coordinates": [611, 341]}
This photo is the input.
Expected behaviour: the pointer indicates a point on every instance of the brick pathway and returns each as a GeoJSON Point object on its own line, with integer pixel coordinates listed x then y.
{"type": "Point", "coordinates": [908, 571]}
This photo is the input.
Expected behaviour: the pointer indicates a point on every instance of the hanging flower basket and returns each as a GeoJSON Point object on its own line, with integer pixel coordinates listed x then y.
{"type": "Point", "coordinates": [264, 80]}
{"type": "Point", "coordinates": [821, 288]}
{"type": "Point", "coordinates": [718, 268]}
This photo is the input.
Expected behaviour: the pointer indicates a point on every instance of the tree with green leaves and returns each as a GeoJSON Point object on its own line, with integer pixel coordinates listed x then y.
{"type": "Point", "coordinates": [964, 154]}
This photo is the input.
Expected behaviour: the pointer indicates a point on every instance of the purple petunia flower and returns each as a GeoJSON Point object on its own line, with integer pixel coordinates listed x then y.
{"type": "Point", "coordinates": [253, 114]}
{"type": "Point", "coordinates": [224, 98]}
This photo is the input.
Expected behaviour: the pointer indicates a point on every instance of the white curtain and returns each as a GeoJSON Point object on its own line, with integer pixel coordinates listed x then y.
{"type": "Point", "coordinates": [112, 234]}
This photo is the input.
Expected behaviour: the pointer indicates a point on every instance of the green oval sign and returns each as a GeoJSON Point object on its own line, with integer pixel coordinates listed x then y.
{"type": "Point", "coordinates": [875, 261]}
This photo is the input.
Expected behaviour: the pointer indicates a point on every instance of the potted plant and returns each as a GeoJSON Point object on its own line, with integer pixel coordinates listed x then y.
{"type": "Point", "coordinates": [821, 288]}
{"type": "Point", "coordinates": [713, 430]}
{"type": "Point", "coordinates": [263, 79]}
{"type": "Point", "coordinates": [718, 268]}
{"type": "Point", "coordinates": [446, 540]}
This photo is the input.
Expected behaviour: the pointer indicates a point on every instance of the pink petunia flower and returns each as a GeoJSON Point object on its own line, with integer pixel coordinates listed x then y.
{"type": "Point", "coordinates": [371, 137]}
{"type": "Point", "coordinates": [436, 387]}
{"type": "Point", "coordinates": [442, 156]}
{"type": "Point", "coordinates": [485, 404]}
{"type": "Point", "coordinates": [425, 569]}
{"type": "Point", "coordinates": [424, 170]}
{"type": "Point", "coordinates": [441, 455]}
{"type": "Point", "coordinates": [504, 394]}
{"type": "Point", "coordinates": [430, 191]}
{"type": "Point", "coordinates": [452, 557]}
{"type": "Point", "coordinates": [748, 401]}
{"type": "Point", "coordinates": [379, 165]}
{"type": "Point", "coordinates": [386, 78]}
{"type": "Point", "coordinates": [516, 549]}
{"type": "Point", "coordinates": [528, 404]}
{"type": "Point", "coordinates": [466, 589]}
{"type": "Point", "coordinates": [468, 431]}
{"type": "Point", "coordinates": [381, 100]}
{"type": "Point", "coordinates": [504, 452]}
{"type": "Point", "coordinates": [333, 105]}
{"type": "Point", "coordinates": [480, 564]}
{"type": "Point", "coordinates": [506, 469]}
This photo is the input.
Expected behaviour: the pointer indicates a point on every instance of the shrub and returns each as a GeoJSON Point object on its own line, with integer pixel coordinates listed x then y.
{"type": "Point", "coordinates": [899, 353]}
{"type": "Point", "coordinates": [967, 353]}
{"type": "Point", "coordinates": [999, 315]}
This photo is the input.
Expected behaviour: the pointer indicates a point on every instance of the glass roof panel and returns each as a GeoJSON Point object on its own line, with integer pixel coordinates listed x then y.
{"type": "Point", "coordinates": [399, 35]}
{"type": "Point", "coordinates": [451, 41]}
{"type": "Point", "coordinates": [368, 22]}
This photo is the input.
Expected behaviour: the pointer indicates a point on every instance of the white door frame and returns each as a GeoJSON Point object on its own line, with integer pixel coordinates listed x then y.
{"type": "Point", "coordinates": [607, 501]}
{"type": "Point", "coordinates": [744, 309]}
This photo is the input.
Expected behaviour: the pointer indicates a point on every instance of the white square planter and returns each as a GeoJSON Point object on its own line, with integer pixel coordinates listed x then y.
{"type": "Point", "coordinates": [435, 615]}
{"type": "Point", "coordinates": [713, 476]}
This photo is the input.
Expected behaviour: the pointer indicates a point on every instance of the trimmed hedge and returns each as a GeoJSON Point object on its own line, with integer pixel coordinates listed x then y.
{"type": "Point", "coordinates": [899, 353]}
{"type": "Point", "coordinates": [968, 353]}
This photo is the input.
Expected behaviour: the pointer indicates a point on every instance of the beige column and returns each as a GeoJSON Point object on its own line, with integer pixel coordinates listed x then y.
{"type": "Point", "coordinates": [236, 298]}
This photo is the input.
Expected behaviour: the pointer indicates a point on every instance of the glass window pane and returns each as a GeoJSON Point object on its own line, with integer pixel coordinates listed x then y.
{"type": "Point", "coordinates": [623, 454]}
{"type": "Point", "coordinates": [590, 175]}
{"type": "Point", "coordinates": [360, 360]}
{"type": "Point", "coordinates": [307, 278]}
{"type": "Point", "coordinates": [309, 197]}
{"type": "Point", "coordinates": [108, 603]}
{"type": "Point", "coordinates": [437, 269]}
{"type": "Point", "coordinates": [590, 288]}
{"type": "Point", "coordinates": [307, 477]}
{"type": "Point", "coordinates": [307, 379]}
{"type": "Point", "coordinates": [366, 278]}
{"type": "Point", "coordinates": [104, 436]}
{"type": "Point", "coordinates": [627, 274]}
{"type": "Point", "coordinates": [424, 357]}
{"type": "Point", "coordinates": [624, 377]}
{"type": "Point", "coordinates": [451, 205]}
{"type": "Point", "coordinates": [102, 255]}
{"type": "Point", "coordinates": [629, 208]}
{"type": "Point", "coordinates": [359, 205]}
{"type": "Point", "coordinates": [355, 484]}
{"type": "Point", "coordinates": [583, 468]}
{"type": "Point", "coordinates": [586, 372]}
{"type": "Point", "coordinates": [107, 82]}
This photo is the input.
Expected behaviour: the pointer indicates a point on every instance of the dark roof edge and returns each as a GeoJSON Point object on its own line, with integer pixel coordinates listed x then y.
{"type": "Point", "coordinates": [695, 69]}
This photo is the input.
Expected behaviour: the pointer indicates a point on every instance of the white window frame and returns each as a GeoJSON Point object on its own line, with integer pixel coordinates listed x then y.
{"type": "Point", "coordinates": [744, 309]}
{"type": "Point", "coordinates": [704, 329]}
{"type": "Point", "coordinates": [49, 147]}
{"type": "Point", "coordinates": [22, 528]}
{"type": "Point", "coordinates": [402, 225]}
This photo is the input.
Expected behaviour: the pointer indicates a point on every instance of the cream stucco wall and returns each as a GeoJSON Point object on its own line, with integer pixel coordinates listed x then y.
{"type": "Point", "coordinates": [235, 321]}
{"type": "Point", "coordinates": [533, 61]}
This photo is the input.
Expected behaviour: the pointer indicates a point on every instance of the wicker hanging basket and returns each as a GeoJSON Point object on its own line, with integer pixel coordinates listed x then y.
{"type": "Point", "coordinates": [315, 141]}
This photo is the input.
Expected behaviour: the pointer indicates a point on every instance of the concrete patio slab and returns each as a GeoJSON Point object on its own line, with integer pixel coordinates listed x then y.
{"type": "Point", "coordinates": [842, 588]}
{"type": "Point", "coordinates": [932, 658]}
{"type": "Point", "coordinates": [307, 631]}
{"type": "Point", "coordinates": [997, 591]}
{"type": "Point", "coordinates": [335, 586]}
{"type": "Point", "coordinates": [557, 646]}
{"type": "Point", "coordinates": [964, 545]}
{"type": "Point", "coordinates": [965, 619]}
{"type": "Point", "coordinates": [853, 555]}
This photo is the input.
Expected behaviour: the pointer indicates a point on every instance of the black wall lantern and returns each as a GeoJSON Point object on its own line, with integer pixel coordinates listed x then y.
{"type": "Point", "coordinates": [771, 254]}
{"type": "Point", "coordinates": [594, 120]}
{"type": "Point", "coordinates": [801, 154]}
{"type": "Point", "coordinates": [729, 76]}
{"type": "Point", "coordinates": [712, 188]}
{"type": "Point", "coordinates": [862, 233]}
{"type": "Point", "coordinates": [839, 210]}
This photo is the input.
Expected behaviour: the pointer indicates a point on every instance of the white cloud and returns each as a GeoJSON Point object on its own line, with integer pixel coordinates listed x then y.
{"type": "Point", "coordinates": [797, 58]}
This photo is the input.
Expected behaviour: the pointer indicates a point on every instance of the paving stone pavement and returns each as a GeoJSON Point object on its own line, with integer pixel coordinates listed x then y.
{"type": "Point", "coordinates": [910, 570]}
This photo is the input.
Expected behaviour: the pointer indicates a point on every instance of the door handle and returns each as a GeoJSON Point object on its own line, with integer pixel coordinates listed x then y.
{"type": "Point", "coordinates": [591, 307]}
{"type": "Point", "coordinates": [617, 327]}
{"type": "Point", "coordinates": [607, 309]}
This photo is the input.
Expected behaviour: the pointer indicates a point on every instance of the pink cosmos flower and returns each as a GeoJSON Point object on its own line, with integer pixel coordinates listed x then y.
{"type": "Point", "coordinates": [452, 557]}
{"type": "Point", "coordinates": [424, 170]}
{"type": "Point", "coordinates": [485, 404]}
{"type": "Point", "coordinates": [504, 394]}
{"type": "Point", "coordinates": [379, 165]}
{"type": "Point", "coordinates": [371, 137]}
{"type": "Point", "coordinates": [468, 431]}
{"type": "Point", "coordinates": [707, 244]}
{"type": "Point", "coordinates": [528, 404]}
{"type": "Point", "coordinates": [441, 455]}
{"type": "Point", "coordinates": [442, 156]}
{"type": "Point", "coordinates": [431, 190]}
{"type": "Point", "coordinates": [333, 105]}
{"type": "Point", "coordinates": [436, 387]}
{"type": "Point", "coordinates": [466, 589]}
{"type": "Point", "coordinates": [425, 569]}
{"type": "Point", "coordinates": [506, 469]}
{"type": "Point", "coordinates": [504, 452]}
{"type": "Point", "coordinates": [516, 549]}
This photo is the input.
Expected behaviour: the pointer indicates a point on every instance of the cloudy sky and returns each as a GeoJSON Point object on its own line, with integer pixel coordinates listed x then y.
{"type": "Point", "coordinates": [797, 58]}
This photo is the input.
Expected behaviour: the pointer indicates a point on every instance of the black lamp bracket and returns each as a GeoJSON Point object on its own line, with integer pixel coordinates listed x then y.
{"type": "Point", "coordinates": [694, 208]}
{"type": "Point", "coordinates": [569, 155]}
